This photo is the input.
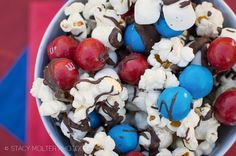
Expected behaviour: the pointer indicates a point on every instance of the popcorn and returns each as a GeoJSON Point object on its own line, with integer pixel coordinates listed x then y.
{"type": "Point", "coordinates": [186, 130]}
{"type": "Point", "coordinates": [228, 32]}
{"type": "Point", "coordinates": [106, 72]}
{"type": "Point", "coordinates": [110, 36]}
{"type": "Point", "coordinates": [227, 81]}
{"type": "Point", "coordinates": [75, 23]}
{"type": "Point", "coordinates": [101, 144]}
{"type": "Point", "coordinates": [108, 29]}
{"type": "Point", "coordinates": [147, 11]}
{"type": "Point", "coordinates": [157, 78]}
{"type": "Point", "coordinates": [206, 131]}
{"type": "Point", "coordinates": [140, 120]}
{"type": "Point", "coordinates": [209, 20]}
{"type": "Point", "coordinates": [169, 51]}
{"type": "Point", "coordinates": [182, 151]}
{"type": "Point", "coordinates": [162, 136]}
{"type": "Point", "coordinates": [92, 7]}
{"type": "Point", "coordinates": [123, 6]}
{"type": "Point", "coordinates": [68, 131]}
{"type": "Point", "coordinates": [89, 91]}
{"type": "Point", "coordinates": [50, 105]}
{"type": "Point", "coordinates": [164, 152]}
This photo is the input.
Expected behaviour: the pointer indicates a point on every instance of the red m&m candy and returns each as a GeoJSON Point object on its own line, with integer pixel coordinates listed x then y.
{"type": "Point", "coordinates": [225, 107]}
{"type": "Point", "coordinates": [61, 73]}
{"type": "Point", "coordinates": [91, 55]}
{"type": "Point", "coordinates": [222, 53]}
{"type": "Point", "coordinates": [62, 47]}
{"type": "Point", "coordinates": [134, 153]}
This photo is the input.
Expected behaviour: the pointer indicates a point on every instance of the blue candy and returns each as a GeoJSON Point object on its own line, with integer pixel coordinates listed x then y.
{"type": "Point", "coordinates": [197, 79]}
{"type": "Point", "coordinates": [165, 30]}
{"type": "Point", "coordinates": [94, 120]}
{"type": "Point", "coordinates": [125, 137]}
{"type": "Point", "coordinates": [133, 40]}
{"type": "Point", "coordinates": [175, 103]}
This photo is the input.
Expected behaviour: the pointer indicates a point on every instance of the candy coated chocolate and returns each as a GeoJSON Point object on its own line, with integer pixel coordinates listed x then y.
{"type": "Point", "coordinates": [165, 30]}
{"type": "Point", "coordinates": [225, 107]}
{"type": "Point", "coordinates": [133, 40]}
{"type": "Point", "coordinates": [94, 120]}
{"type": "Point", "coordinates": [125, 137]}
{"type": "Point", "coordinates": [198, 80]}
{"type": "Point", "coordinates": [174, 103]}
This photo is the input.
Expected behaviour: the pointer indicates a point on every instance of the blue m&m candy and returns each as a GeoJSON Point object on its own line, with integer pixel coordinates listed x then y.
{"type": "Point", "coordinates": [175, 103]}
{"type": "Point", "coordinates": [197, 79]}
{"type": "Point", "coordinates": [94, 120]}
{"type": "Point", "coordinates": [133, 40]}
{"type": "Point", "coordinates": [125, 137]}
{"type": "Point", "coordinates": [165, 30]}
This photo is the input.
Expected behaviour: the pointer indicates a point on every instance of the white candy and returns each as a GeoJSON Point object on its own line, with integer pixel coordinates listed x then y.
{"type": "Point", "coordinates": [147, 11]}
{"type": "Point", "coordinates": [50, 106]}
{"type": "Point", "coordinates": [178, 18]}
{"type": "Point", "coordinates": [209, 19]}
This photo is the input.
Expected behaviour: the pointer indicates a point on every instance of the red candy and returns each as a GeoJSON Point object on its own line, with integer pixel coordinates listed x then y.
{"type": "Point", "coordinates": [132, 67]}
{"type": "Point", "coordinates": [134, 153]}
{"type": "Point", "coordinates": [225, 107]}
{"type": "Point", "coordinates": [91, 55]}
{"type": "Point", "coordinates": [62, 47]}
{"type": "Point", "coordinates": [62, 73]}
{"type": "Point", "coordinates": [222, 53]}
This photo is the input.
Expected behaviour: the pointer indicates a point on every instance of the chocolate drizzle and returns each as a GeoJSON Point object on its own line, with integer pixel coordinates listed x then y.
{"type": "Point", "coordinates": [154, 143]}
{"type": "Point", "coordinates": [125, 60]}
{"type": "Point", "coordinates": [198, 43]}
{"type": "Point", "coordinates": [82, 126]}
{"type": "Point", "coordinates": [91, 81]}
{"type": "Point", "coordinates": [122, 52]}
{"type": "Point", "coordinates": [113, 38]}
{"type": "Point", "coordinates": [169, 111]}
{"type": "Point", "coordinates": [169, 2]}
{"type": "Point", "coordinates": [149, 36]}
{"type": "Point", "coordinates": [50, 80]}
{"type": "Point", "coordinates": [117, 24]}
{"type": "Point", "coordinates": [112, 112]}
{"type": "Point", "coordinates": [78, 147]}
{"type": "Point", "coordinates": [185, 3]}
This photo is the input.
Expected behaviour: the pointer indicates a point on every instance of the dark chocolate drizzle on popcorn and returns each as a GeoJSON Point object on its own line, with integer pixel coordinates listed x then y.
{"type": "Point", "coordinates": [155, 141]}
{"type": "Point", "coordinates": [149, 36]}
{"type": "Point", "coordinates": [117, 24]}
{"type": "Point", "coordinates": [111, 111]}
{"type": "Point", "coordinates": [113, 38]}
{"type": "Point", "coordinates": [78, 146]}
{"type": "Point", "coordinates": [198, 43]}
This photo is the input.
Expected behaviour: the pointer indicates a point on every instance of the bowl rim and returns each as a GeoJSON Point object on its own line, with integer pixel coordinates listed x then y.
{"type": "Point", "coordinates": [37, 73]}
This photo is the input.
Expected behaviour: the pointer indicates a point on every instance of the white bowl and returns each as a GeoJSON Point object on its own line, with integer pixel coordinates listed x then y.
{"type": "Point", "coordinates": [227, 134]}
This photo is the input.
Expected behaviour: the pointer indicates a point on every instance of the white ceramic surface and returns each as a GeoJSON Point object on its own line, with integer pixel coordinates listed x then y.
{"type": "Point", "coordinates": [227, 135]}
